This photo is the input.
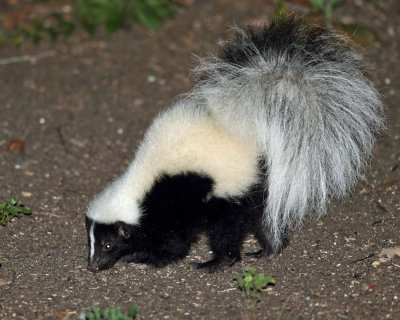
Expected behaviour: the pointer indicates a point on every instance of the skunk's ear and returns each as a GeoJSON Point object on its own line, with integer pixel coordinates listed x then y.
{"type": "Point", "coordinates": [124, 231]}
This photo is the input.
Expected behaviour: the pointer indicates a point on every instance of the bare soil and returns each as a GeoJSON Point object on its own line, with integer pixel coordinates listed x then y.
{"type": "Point", "coordinates": [81, 109]}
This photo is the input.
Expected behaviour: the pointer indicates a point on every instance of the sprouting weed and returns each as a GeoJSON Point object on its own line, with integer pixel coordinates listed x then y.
{"type": "Point", "coordinates": [10, 210]}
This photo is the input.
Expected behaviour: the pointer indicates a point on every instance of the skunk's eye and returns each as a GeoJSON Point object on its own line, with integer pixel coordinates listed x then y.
{"type": "Point", "coordinates": [107, 246]}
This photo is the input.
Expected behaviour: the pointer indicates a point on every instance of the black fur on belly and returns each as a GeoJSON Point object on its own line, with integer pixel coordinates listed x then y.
{"type": "Point", "coordinates": [178, 208]}
{"type": "Point", "coordinates": [175, 212]}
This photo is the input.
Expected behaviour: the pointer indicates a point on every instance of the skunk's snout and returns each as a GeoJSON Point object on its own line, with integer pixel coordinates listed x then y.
{"type": "Point", "coordinates": [93, 267]}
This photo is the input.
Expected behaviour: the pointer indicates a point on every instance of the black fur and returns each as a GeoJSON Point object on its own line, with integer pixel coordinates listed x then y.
{"type": "Point", "coordinates": [175, 212]}
{"type": "Point", "coordinates": [284, 37]}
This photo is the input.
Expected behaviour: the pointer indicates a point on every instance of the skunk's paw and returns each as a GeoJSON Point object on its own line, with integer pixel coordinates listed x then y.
{"type": "Point", "coordinates": [217, 264]}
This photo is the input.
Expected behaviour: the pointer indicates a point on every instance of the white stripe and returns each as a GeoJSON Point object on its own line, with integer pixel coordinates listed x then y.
{"type": "Point", "coordinates": [91, 236]}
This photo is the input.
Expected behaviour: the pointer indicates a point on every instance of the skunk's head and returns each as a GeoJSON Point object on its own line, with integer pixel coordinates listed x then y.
{"type": "Point", "coordinates": [107, 243]}
{"type": "Point", "coordinates": [110, 219]}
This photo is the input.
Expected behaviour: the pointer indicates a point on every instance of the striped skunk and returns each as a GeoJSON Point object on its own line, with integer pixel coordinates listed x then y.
{"type": "Point", "coordinates": [282, 121]}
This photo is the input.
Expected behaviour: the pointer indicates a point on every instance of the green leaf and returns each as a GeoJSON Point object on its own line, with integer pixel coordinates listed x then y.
{"type": "Point", "coordinates": [240, 281]}
{"type": "Point", "coordinates": [110, 313]}
{"type": "Point", "coordinates": [260, 282]}
{"type": "Point", "coordinates": [251, 270]}
{"type": "Point", "coordinates": [319, 4]}
{"type": "Point", "coordinates": [13, 201]}
{"type": "Point", "coordinates": [96, 310]}
{"type": "Point", "coordinates": [281, 11]}
{"type": "Point", "coordinates": [13, 210]}
{"type": "Point", "coordinates": [248, 278]}
{"type": "Point", "coordinates": [270, 280]}
{"type": "Point", "coordinates": [132, 311]}
{"type": "Point", "coordinates": [26, 211]}
{"type": "Point", "coordinates": [252, 284]}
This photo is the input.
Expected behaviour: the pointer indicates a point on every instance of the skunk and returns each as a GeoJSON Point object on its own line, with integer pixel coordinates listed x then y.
{"type": "Point", "coordinates": [279, 123]}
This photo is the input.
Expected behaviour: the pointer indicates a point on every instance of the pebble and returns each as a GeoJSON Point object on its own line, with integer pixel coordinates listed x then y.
{"type": "Point", "coordinates": [151, 78]}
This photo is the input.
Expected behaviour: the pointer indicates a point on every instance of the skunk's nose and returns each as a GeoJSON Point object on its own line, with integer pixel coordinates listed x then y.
{"type": "Point", "coordinates": [92, 267]}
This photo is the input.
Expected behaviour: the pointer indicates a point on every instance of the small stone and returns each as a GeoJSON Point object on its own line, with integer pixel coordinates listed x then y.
{"type": "Point", "coordinates": [151, 78]}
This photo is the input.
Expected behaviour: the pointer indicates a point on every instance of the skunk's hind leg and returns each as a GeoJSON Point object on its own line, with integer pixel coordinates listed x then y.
{"type": "Point", "coordinates": [226, 235]}
{"type": "Point", "coordinates": [226, 249]}
{"type": "Point", "coordinates": [264, 237]}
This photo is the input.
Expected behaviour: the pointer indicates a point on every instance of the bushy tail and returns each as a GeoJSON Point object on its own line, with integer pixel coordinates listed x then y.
{"type": "Point", "coordinates": [300, 92]}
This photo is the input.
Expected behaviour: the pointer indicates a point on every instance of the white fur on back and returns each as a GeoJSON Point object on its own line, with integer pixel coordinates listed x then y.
{"type": "Point", "coordinates": [183, 139]}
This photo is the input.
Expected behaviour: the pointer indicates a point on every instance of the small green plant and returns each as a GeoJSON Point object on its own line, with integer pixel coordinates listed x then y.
{"type": "Point", "coordinates": [38, 30]}
{"type": "Point", "coordinates": [110, 313]}
{"type": "Point", "coordinates": [10, 210]}
{"type": "Point", "coordinates": [112, 14]}
{"type": "Point", "coordinates": [326, 7]}
{"type": "Point", "coordinates": [115, 14]}
{"type": "Point", "coordinates": [281, 12]}
{"type": "Point", "coordinates": [252, 284]}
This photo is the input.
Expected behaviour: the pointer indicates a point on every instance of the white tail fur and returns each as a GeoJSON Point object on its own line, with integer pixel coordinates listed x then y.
{"type": "Point", "coordinates": [300, 92]}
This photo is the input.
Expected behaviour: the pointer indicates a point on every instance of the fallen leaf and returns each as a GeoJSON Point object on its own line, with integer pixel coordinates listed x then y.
{"type": "Point", "coordinates": [15, 19]}
{"type": "Point", "coordinates": [16, 144]}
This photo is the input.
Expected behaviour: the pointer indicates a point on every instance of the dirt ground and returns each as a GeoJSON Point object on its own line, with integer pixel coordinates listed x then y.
{"type": "Point", "coordinates": [82, 107]}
